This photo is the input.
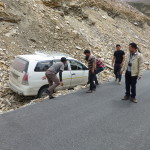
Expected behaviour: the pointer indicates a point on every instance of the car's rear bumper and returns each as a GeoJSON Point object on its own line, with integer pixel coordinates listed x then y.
{"type": "Point", "coordinates": [16, 90]}
{"type": "Point", "coordinates": [22, 89]}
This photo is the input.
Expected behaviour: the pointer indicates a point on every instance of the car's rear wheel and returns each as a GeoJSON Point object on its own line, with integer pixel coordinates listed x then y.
{"type": "Point", "coordinates": [42, 92]}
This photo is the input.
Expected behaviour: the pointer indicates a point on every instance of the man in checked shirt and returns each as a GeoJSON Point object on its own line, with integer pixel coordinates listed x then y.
{"type": "Point", "coordinates": [92, 67]}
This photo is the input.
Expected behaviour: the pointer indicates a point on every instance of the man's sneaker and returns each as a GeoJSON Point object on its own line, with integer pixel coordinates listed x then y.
{"type": "Point", "coordinates": [49, 94]}
{"type": "Point", "coordinates": [126, 98]}
{"type": "Point", "coordinates": [119, 83]}
{"type": "Point", "coordinates": [133, 100]}
{"type": "Point", "coordinates": [89, 91]}
{"type": "Point", "coordinates": [94, 89]}
{"type": "Point", "coordinates": [51, 97]}
{"type": "Point", "coordinates": [116, 79]}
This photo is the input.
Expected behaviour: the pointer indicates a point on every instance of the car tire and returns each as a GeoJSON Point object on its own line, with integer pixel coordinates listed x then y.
{"type": "Point", "coordinates": [42, 92]}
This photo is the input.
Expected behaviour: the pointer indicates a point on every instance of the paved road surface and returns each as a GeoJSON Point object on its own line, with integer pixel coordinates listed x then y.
{"type": "Point", "coordinates": [80, 121]}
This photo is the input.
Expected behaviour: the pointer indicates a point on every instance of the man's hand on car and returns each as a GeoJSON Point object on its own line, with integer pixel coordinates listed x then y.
{"type": "Point", "coordinates": [93, 71]}
{"type": "Point", "coordinates": [61, 84]}
{"type": "Point", "coordinates": [44, 78]}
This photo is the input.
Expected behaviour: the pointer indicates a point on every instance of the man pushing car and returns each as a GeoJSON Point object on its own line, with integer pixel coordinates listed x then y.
{"type": "Point", "coordinates": [51, 76]}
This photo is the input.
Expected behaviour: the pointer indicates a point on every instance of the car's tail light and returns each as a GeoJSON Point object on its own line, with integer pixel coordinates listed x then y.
{"type": "Point", "coordinates": [25, 79]}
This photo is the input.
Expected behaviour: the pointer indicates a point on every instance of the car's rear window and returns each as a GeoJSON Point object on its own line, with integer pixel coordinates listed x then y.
{"type": "Point", "coordinates": [20, 65]}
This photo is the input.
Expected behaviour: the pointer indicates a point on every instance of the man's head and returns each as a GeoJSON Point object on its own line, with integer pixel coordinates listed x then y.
{"type": "Point", "coordinates": [87, 52]}
{"type": "Point", "coordinates": [63, 60]}
{"type": "Point", "coordinates": [133, 47]}
{"type": "Point", "coordinates": [118, 47]}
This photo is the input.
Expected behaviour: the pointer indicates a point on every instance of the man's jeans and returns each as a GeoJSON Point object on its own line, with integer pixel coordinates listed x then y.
{"type": "Point", "coordinates": [98, 70]}
{"type": "Point", "coordinates": [91, 79]}
{"type": "Point", "coordinates": [52, 78]}
{"type": "Point", "coordinates": [130, 84]}
{"type": "Point", "coordinates": [117, 71]}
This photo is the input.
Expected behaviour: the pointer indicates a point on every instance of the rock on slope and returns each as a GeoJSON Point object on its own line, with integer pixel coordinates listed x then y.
{"type": "Point", "coordinates": [66, 26]}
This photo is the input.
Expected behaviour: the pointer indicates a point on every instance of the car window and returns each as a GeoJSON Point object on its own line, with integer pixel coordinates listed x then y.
{"type": "Point", "coordinates": [66, 65]}
{"type": "Point", "coordinates": [76, 65]}
{"type": "Point", "coordinates": [43, 66]}
{"type": "Point", "coordinates": [20, 65]}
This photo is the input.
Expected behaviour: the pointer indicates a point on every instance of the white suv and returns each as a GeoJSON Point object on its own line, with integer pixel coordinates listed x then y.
{"type": "Point", "coordinates": [27, 71]}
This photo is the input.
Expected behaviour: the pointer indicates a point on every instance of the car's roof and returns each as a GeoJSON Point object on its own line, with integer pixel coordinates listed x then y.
{"type": "Point", "coordinates": [36, 57]}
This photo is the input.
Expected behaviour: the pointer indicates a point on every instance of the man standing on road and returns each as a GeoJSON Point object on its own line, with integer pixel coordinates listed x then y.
{"type": "Point", "coordinates": [117, 62]}
{"type": "Point", "coordinates": [92, 67]}
{"type": "Point", "coordinates": [51, 75]}
{"type": "Point", "coordinates": [134, 67]}
{"type": "Point", "coordinates": [99, 68]}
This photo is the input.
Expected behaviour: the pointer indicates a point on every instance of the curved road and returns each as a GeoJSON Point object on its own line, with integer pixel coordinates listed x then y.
{"type": "Point", "coordinates": [81, 121]}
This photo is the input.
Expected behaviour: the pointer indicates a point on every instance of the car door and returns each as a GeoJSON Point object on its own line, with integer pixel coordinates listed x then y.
{"type": "Point", "coordinates": [66, 75]}
{"type": "Point", "coordinates": [79, 73]}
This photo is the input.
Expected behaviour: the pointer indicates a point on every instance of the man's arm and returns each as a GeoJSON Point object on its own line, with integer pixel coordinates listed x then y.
{"type": "Point", "coordinates": [44, 78]}
{"type": "Point", "coordinates": [122, 61]}
{"type": "Point", "coordinates": [125, 64]}
{"type": "Point", "coordinates": [60, 77]}
{"type": "Point", "coordinates": [113, 61]}
{"type": "Point", "coordinates": [141, 66]}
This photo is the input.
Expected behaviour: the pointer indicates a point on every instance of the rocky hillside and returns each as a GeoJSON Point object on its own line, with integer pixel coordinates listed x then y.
{"type": "Point", "coordinates": [66, 26]}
